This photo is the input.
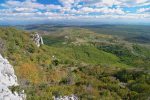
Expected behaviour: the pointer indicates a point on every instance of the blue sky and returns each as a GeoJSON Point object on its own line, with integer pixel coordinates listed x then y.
{"type": "Point", "coordinates": [46, 11]}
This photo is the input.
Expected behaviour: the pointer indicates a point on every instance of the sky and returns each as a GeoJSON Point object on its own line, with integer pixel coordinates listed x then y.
{"type": "Point", "coordinates": [13, 12]}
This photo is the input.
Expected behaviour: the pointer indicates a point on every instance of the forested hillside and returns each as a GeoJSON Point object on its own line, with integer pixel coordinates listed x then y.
{"type": "Point", "coordinates": [78, 61]}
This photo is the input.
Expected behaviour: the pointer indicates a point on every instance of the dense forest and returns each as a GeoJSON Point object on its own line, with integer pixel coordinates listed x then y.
{"type": "Point", "coordinates": [91, 63]}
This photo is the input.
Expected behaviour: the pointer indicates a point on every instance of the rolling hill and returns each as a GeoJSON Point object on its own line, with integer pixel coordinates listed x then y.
{"type": "Point", "coordinates": [79, 61]}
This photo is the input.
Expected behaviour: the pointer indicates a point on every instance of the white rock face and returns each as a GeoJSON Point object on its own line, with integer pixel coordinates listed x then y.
{"type": "Point", "coordinates": [72, 97]}
{"type": "Point", "coordinates": [8, 78]}
{"type": "Point", "coordinates": [38, 39]}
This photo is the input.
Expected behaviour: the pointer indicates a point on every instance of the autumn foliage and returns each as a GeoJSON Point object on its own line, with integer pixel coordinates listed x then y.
{"type": "Point", "coordinates": [29, 71]}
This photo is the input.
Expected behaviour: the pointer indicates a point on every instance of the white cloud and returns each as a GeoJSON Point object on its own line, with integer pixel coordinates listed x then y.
{"type": "Point", "coordinates": [121, 3]}
{"type": "Point", "coordinates": [67, 2]}
{"type": "Point", "coordinates": [101, 9]}
{"type": "Point", "coordinates": [29, 10]}
{"type": "Point", "coordinates": [104, 10]}
{"type": "Point", "coordinates": [143, 10]}
{"type": "Point", "coordinates": [29, 4]}
{"type": "Point", "coordinates": [133, 3]}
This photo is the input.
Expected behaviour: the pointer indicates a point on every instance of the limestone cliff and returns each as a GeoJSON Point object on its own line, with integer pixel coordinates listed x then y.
{"type": "Point", "coordinates": [38, 39]}
{"type": "Point", "coordinates": [7, 79]}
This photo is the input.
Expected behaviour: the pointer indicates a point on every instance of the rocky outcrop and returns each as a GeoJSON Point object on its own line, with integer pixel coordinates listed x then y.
{"type": "Point", "coordinates": [37, 39]}
{"type": "Point", "coordinates": [71, 97]}
{"type": "Point", "coordinates": [8, 79]}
